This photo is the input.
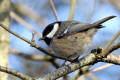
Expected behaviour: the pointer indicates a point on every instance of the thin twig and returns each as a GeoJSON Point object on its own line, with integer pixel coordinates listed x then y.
{"type": "Point", "coordinates": [100, 68]}
{"type": "Point", "coordinates": [33, 37]}
{"type": "Point", "coordinates": [35, 57]}
{"type": "Point", "coordinates": [54, 63]}
{"type": "Point", "coordinates": [15, 73]}
{"type": "Point", "coordinates": [110, 42]}
{"type": "Point", "coordinates": [105, 53]}
{"type": "Point", "coordinates": [33, 44]}
{"type": "Point", "coordinates": [26, 11]}
{"type": "Point", "coordinates": [60, 72]}
{"type": "Point", "coordinates": [72, 9]}
{"type": "Point", "coordinates": [24, 23]}
{"type": "Point", "coordinates": [54, 10]}
{"type": "Point", "coordinates": [31, 57]}
{"type": "Point", "coordinates": [81, 71]}
{"type": "Point", "coordinates": [91, 76]}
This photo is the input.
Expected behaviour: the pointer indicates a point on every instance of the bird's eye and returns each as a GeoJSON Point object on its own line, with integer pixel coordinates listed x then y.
{"type": "Point", "coordinates": [75, 37]}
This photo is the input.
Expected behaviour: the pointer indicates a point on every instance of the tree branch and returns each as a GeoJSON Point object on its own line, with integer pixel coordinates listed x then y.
{"type": "Point", "coordinates": [31, 57]}
{"type": "Point", "coordinates": [24, 23]}
{"type": "Point", "coordinates": [110, 43]}
{"type": "Point", "coordinates": [15, 73]}
{"type": "Point", "coordinates": [54, 10]}
{"type": "Point", "coordinates": [26, 11]}
{"type": "Point", "coordinates": [91, 59]}
{"type": "Point", "coordinates": [112, 58]}
{"type": "Point", "coordinates": [100, 68]}
{"type": "Point", "coordinates": [88, 60]}
{"type": "Point", "coordinates": [36, 57]}
{"type": "Point", "coordinates": [104, 54]}
{"type": "Point", "coordinates": [72, 9]}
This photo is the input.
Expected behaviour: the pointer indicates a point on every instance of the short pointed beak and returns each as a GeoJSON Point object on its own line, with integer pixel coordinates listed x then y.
{"type": "Point", "coordinates": [42, 38]}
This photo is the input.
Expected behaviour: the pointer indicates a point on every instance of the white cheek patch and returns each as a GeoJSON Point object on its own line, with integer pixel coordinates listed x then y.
{"type": "Point", "coordinates": [54, 30]}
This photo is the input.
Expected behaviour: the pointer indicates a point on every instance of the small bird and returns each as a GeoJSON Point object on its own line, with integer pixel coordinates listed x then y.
{"type": "Point", "coordinates": [70, 39]}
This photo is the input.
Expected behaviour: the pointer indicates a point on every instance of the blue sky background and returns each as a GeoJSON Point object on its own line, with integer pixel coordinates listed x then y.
{"type": "Point", "coordinates": [82, 12]}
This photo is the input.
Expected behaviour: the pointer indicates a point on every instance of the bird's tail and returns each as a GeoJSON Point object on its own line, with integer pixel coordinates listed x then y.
{"type": "Point", "coordinates": [98, 23]}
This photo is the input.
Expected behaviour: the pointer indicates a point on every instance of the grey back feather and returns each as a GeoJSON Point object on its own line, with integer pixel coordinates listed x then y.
{"type": "Point", "coordinates": [75, 26]}
{"type": "Point", "coordinates": [86, 26]}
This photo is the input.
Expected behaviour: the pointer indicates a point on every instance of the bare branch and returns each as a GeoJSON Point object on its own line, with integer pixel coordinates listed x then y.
{"type": "Point", "coordinates": [100, 68]}
{"type": "Point", "coordinates": [115, 47]}
{"type": "Point", "coordinates": [54, 63]}
{"type": "Point", "coordinates": [114, 3]}
{"type": "Point", "coordinates": [112, 58]}
{"type": "Point", "coordinates": [36, 57]}
{"type": "Point", "coordinates": [91, 76]}
{"type": "Point", "coordinates": [24, 23]}
{"type": "Point", "coordinates": [15, 73]}
{"type": "Point", "coordinates": [31, 57]}
{"type": "Point", "coordinates": [27, 11]}
{"type": "Point", "coordinates": [110, 43]}
{"type": "Point", "coordinates": [33, 37]}
{"type": "Point", "coordinates": [72, 9]}
{"type": "Point", "coordinates": [88, 60]}
{"type": "Point", "coordinates": [91, 59]}
{"type": "Point", "coordinates": [54, 10]}
{"type": "Point", "coordinates": [81, 71]}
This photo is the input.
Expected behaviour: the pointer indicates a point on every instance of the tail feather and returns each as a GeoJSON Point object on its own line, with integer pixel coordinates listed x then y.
{"type": "Point", "coordinates": [100, 26]}
{"type": "Point", "coordinates": [83, 27]}
{"type": "Point", "coordinates": [102, 20]}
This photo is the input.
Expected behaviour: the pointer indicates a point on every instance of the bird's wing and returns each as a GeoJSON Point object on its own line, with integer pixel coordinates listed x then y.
{"type": "Point", "coordinates": [84, 26]}
{"type": "Point", "coordinates": [66, 25]}
{"type": "Point", "coordinates": [79, 27]}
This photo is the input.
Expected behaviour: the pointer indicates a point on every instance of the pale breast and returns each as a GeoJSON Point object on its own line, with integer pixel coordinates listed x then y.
{"type": "Point", "coordinates": [73, 45]}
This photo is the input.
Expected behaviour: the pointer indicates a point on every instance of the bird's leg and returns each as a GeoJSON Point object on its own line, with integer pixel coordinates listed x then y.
{"type": "Point", "coordinates": [76, 59]}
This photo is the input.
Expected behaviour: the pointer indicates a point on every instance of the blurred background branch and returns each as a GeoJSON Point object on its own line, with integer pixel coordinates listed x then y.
{"type": "Point", "coordinates": [15, 73]}
{"type": "Point", "coordinates": [72, 9]}
{"type": "Point", "coordinates": [115, 3]}
{"type": "Point", "coordinates": [23, 22]}
{"type": "Point", "coordinates": [35, 57]}
{"type": "Point", "coordinates": [26, 11]}
{"type": "Point", "coordinates": [54, 10]}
